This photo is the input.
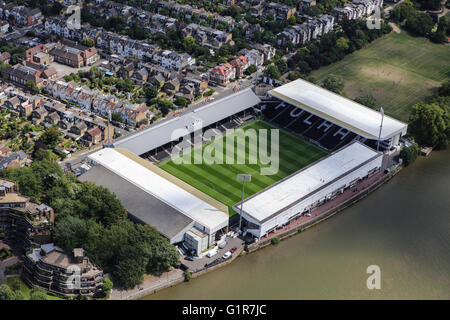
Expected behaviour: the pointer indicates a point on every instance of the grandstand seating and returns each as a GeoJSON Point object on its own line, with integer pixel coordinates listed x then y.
{"type": "Point", "coordinates": [315, 129]}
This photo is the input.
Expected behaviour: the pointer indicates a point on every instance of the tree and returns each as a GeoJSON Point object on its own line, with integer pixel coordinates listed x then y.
{"type": "Point", "coordinates": [32, 87]}
{"type": "Point", "coordinates": [342, 43]}
{"type": "Point", "coordinates": [333, 83]}
{"type": "Point", "coordinates": [403, 11]}
{"type": "Point", "coordinates": [368, 100]}
{"type": "Point", "coordinates": [6, 293]}
{"type": "Point", "coordinates": [188, 44]}
{"type": "Point", "coordinates": [51, 137]}
{"type": "Point", "coordinates": [251, 69]}
{"type": "Point", "coordinates": [273, 72]}
{"type": "Point", "coordinates": [150, 92]}
{"type": "Point", "coordinates": [38, 293]}
{"type": "Point", "coordinates": [116, 116]}
{"type": "Point", "coordinates": [419, 24]}
{"type": "Point", "coordinates": [73, 232]}
{"type": "Point", "coordinates": [180, 101]}
{"type": "Point", "coordinates": [430, 124]}
{"type": "Point", "coordinates": [444, 89]}
{"type": "Point", "coordinates": [87, 42]}
{"type": "Point", "coordinates": [409, 154]}
{"type": "Point", "coordinates": [165, 106]}
{"type": "Point", "coordinates": [440, 36]}
{"type": "Point", "coordinates": [107, 286]}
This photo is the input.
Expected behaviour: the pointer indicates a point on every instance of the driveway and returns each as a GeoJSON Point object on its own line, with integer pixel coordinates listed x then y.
{"type": "Point", "coordinates": [199, 264]}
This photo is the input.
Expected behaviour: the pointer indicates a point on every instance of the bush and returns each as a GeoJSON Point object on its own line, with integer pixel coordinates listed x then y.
{"type": "Point", "coordinates": [208, 93]}
{"type": "Point", "coordinates": [275, 240]}
{"type": "Point", "coordinates": [187, 276]}
{"type": "Point", "coordinates": [409, 154]}
{"type": "Point", "coordinates": [14, 269]}
{"type": "Point", "coordinates": [5, 253]}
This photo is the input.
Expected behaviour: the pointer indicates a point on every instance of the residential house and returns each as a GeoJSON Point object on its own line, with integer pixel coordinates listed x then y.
{"type": "Point", "coordinates": [5, 57]}
{"type": "Point", "coordinates": [240, 64]}
{"type": "Point", "coordinates": [49, 267]}
{"type": "Point", "coordinates": [222, 74]}
{"type": "Point", "coordinates": [22, 222]}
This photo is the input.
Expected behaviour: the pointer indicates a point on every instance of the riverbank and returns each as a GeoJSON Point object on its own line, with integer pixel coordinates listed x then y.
{"type": "Point", "coordinates": [402, 227]}
{"type": "Point", "coordinates": [325, 211]}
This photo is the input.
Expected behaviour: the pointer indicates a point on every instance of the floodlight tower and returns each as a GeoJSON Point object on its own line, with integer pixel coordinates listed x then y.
{"type": "Point", "coordinates": [243, 177]}
{"type": "Point", "coordinates": [381, 127]}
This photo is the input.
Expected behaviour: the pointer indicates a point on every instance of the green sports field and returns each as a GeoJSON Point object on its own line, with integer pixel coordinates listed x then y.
{"type": "Point", "coordinates": [399, 70]}
{"type": "Point", "coordinates": [219, 180]}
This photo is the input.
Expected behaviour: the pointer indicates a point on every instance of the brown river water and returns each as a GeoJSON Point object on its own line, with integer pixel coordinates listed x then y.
{"type": "Point", "coordinates": [403, 227]}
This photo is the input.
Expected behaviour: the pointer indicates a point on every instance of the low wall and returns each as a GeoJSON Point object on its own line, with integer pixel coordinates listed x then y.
{"type": "Point", "coordinates": [219, 265]}
{"type": "Point", "coordinates": [299, 228]}
{"type": "Point", "coordinates": [156, 287]}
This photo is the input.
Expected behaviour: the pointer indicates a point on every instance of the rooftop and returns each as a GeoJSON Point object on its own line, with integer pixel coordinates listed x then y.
{"type": "Point", "coordinates": [305, 182]}
{"type": "Point", "coordinates": [166, 131]}
{"type": "Point", "coordinates": [165, 193]}
{"type": "Point", "coordinates": [339, 110]}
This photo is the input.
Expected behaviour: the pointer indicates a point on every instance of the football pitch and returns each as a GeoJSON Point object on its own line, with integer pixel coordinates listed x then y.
{"type": "Point", "coordinates": [219, 180]}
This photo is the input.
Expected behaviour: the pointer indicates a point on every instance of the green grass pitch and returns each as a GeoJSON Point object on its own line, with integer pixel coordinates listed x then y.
{"type": "Point", "coordinates": [219, 180]}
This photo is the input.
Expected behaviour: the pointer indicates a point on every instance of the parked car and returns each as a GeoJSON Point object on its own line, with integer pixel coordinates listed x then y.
{"type": "Point", "coordinates": [233, 249]}
{"type": "Point", "coordinates": [227, 255]}
{"type": "Point", "coordinates": [222, 245]}
{"type": "Point", "coordinates": [189, 258]}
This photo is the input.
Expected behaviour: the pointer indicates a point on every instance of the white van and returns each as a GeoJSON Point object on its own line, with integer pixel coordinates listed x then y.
{"type": "Point", "coordinates": [222, 245]}
{"type": "Point", "coordinates": [211, 253]}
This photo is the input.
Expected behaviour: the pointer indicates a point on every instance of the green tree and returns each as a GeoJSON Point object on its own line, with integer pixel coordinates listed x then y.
{"type": "Point", "coordinates": [440, 36]}
{"type": "Point", "coordinates": [38, 293]}
{"type": "Point", "coordinates": [87, 42]}
{"type": "Point", "coordinates": [116, 116]}
{"type": "Point", "coordinates": [51, 137]}
{"type": "Point", "coordinates": [73, 232]}
{"type": "Point", "coordinates": [251, 69]}
{"type": "Point", "coordinates": [6, 293]}
{"type": "Point", "coordinates": [188, 44]}
{"type": "Point", "coordinates": [430, 124]}
{"type": "Point", "coordinates": [150, 92]}
{"type": "Point", "coordinates": [273, 72]}
{"type": "Point", "coordinates": [342, 43]}
{"type": "Point", "coordinates": [180, 101]}
{"type": "Point", "coordinates": [403, 11]}
{"type": "Point", "coordinates": [165, 106]}
{"type": "Point", "coordinates": [419, 24]}
{"type": "Point", "coordinates": [333, 83]}
{"type": "Point", "coordinates": [368, 100]}
{"type": "Point", "coordinates": [409, 154]}
{"type": "Point", "coordinates": [32, 87]}
{"type": "Point", "coordinates": [107, 286]}
{"type": "Point", "coordinates": [444, 89]}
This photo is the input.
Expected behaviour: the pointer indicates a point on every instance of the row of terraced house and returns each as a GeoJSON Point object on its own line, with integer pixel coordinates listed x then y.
{"type": "Point", "coordinates": [94, 101]}
{"type": "Point", "coordinates": [316, 27]}
{"type": "Point", "coordinates": [121, 45]}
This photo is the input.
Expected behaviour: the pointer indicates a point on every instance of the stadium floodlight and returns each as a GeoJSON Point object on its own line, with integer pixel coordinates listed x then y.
{"type": "Point", "coordinates": [243, 177]}
{"type": "Point", "coordinates": [381, 127]}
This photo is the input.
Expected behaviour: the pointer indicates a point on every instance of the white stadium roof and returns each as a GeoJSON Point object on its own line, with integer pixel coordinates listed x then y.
{"type": "Point", "coordinates": [268, 202]}
{"type": "Point", "coordinates": [204, 115]}
{"type": "Point", "coordinates": [157, 186]}
{"type": "Point", "coordinates": [339, 110]}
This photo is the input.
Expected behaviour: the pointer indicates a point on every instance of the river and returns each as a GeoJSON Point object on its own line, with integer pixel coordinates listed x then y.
{"type": "Point", "coordinates": [403, 227]}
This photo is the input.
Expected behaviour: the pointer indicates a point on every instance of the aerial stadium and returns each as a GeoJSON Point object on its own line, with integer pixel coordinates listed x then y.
{"type": "Point", "coordinates": [327, 143]}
